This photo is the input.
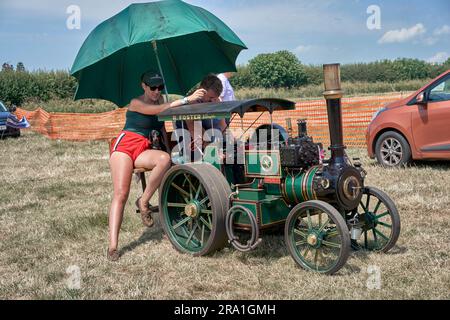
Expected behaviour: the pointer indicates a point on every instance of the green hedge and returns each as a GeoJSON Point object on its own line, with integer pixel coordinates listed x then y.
{"type": "Point", "coordinates": [17, 87]}
{"type": "Point", "coordinates": [373, 72]}
{"type": "Point", "coordinates": [280, 70]}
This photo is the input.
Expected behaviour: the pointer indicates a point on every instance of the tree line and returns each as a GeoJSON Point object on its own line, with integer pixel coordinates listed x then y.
{"type": "Point", "coordinates": [267, 71]}
{"type": "Point", "coordinates": [284, 70]}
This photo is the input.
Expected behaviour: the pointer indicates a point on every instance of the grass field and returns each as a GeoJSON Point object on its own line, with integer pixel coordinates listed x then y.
{"type": "Point", "coordinates": [55, 196]}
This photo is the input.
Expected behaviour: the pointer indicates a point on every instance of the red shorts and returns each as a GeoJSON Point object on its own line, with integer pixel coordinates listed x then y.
{"type": "Point", "coordinates": [130, 143]}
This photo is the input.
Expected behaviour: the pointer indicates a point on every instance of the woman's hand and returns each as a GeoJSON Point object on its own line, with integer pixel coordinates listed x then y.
{"type": "Point", "coordinates": [197, 96]}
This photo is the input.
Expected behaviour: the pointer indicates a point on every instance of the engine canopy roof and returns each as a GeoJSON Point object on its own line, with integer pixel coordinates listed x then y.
{"type": "Point", "coordinates": [225, 110]}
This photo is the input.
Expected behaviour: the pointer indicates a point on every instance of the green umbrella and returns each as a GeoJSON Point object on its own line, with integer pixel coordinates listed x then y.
{"type": "Point", "coordinates": [182, 41]}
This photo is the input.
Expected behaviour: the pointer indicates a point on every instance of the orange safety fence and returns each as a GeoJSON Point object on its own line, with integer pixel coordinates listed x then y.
{"type": "Point", "coordinates": [356, 114]}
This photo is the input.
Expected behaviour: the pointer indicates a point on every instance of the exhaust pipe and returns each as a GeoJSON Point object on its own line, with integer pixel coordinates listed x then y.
{"type": "Point", "coordinates": [302, 128]}
{"type": "Point", "coordinates": [333, 94]}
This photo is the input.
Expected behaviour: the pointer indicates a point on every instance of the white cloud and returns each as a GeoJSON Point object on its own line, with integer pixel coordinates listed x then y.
{"type": "Point", "coordinates": [445, 29]}
{"type": "Point", "coordinates": [437, 34]}
{"type": "Point", "coordinates": [403, 35]}
{"type": "Point", "coordinates": [302, 49]}
{"type": "Point", "coordinates": [439, 57]}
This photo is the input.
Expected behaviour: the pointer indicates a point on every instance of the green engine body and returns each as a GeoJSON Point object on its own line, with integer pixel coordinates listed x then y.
{"type": "Point", "coordinates": [271, 182]}
{"type": "Point", "coordinates": [269, 191]}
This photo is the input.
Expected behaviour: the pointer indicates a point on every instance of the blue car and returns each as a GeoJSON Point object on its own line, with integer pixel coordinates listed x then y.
{"type": "Point", "coordinates": [6, 131]}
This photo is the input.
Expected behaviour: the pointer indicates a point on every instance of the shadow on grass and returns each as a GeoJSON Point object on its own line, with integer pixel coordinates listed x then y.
{"type": "Point", "coordinates": [435, 165]}
{"type": "Point", "coordinates": [274, 248]}
{"type": "Point", "coordinates": [397, 250]}
{"type": "Point", "coordinates": [364, 254]}
{"type": "Point", "coordinates": [271, 247]}
{"type": "Point", "coordinates": [150, 234]}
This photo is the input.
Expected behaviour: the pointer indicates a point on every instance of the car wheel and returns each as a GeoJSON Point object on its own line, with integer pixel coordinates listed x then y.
{"type": "Point", "coordinates": [392, 150]}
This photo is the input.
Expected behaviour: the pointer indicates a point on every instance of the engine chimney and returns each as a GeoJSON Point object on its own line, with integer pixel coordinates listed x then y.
{"type": "Point", "coordinates": [333, 95]}
{"type": "Point", "coordinates": [302, 128]}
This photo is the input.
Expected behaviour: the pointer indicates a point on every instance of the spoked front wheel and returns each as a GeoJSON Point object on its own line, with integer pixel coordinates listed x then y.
{"type": "Point", "coordinates": [380, 221]}
{"type": "Point", "coordinates": [317, 237]}
{"type": "Point", "coordinates": [193, 203]}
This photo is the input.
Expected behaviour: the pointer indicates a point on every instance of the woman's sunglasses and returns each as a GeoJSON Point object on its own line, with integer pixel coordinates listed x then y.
{"type": "Point", "coordinates": [160, 88]}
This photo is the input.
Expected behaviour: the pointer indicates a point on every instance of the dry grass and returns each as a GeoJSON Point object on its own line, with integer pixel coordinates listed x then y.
{"type": "Point", "coordinates": [53, 214]}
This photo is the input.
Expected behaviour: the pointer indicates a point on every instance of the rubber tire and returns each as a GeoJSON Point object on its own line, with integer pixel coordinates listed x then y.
{"type": "Point", "coordinates": [407, 156]}
{"type": "Point", "coordinates": [340, 224]}
{"type": "Point", "coordinates": [396, 224]}
{"type": "Point", "coordinates": [218, 190]}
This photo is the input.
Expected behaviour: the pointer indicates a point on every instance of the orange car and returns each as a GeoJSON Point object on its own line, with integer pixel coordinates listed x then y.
{"type": "Point", "coordinates": [417, 127]}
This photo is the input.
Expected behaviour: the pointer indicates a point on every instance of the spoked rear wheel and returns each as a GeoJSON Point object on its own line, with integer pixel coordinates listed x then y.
{"type": "Point", "coordinates": [193, 203]}
{"type": "Point", "coordinates": [381, 227]}
{"type": "Point", "coordinates": [317, 237]}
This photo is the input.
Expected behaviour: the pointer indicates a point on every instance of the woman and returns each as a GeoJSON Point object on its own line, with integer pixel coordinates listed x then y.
{"type": "Point", "coordinates": [131, 149]}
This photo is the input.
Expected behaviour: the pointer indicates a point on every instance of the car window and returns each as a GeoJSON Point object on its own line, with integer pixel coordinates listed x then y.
{"type": "Point", "coordinates": [441, 91]}
{"type": "Point", "coordinates": [3, 108]}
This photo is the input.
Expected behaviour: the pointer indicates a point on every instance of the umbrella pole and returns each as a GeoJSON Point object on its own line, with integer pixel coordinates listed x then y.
{"type": "Point", "coordinates": [155, 49]}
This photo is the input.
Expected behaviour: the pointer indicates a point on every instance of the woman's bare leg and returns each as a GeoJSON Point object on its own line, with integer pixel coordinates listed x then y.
{"type": "Point", "coordinates": [159, 163]}
{"type": "Point", "coordinates": [121, 172]}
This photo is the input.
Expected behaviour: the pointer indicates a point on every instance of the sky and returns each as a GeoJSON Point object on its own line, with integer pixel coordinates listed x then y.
{"type": "Point", "coordinates": [36, 32]}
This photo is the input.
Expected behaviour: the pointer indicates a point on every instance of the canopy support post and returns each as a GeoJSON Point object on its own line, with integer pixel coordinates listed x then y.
{"type": "Point", "coordinates": [271, 131]}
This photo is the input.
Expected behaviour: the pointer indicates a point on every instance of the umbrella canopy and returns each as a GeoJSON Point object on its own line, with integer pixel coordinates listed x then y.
{"type": "Point", "coordinates": [188, 41]}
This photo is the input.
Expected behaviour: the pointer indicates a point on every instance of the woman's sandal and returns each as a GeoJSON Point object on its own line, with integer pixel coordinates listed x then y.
{"type": "Point", "coordinates": [146, 214]}
{"type": "Point", "coordinates": [113, 255]}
